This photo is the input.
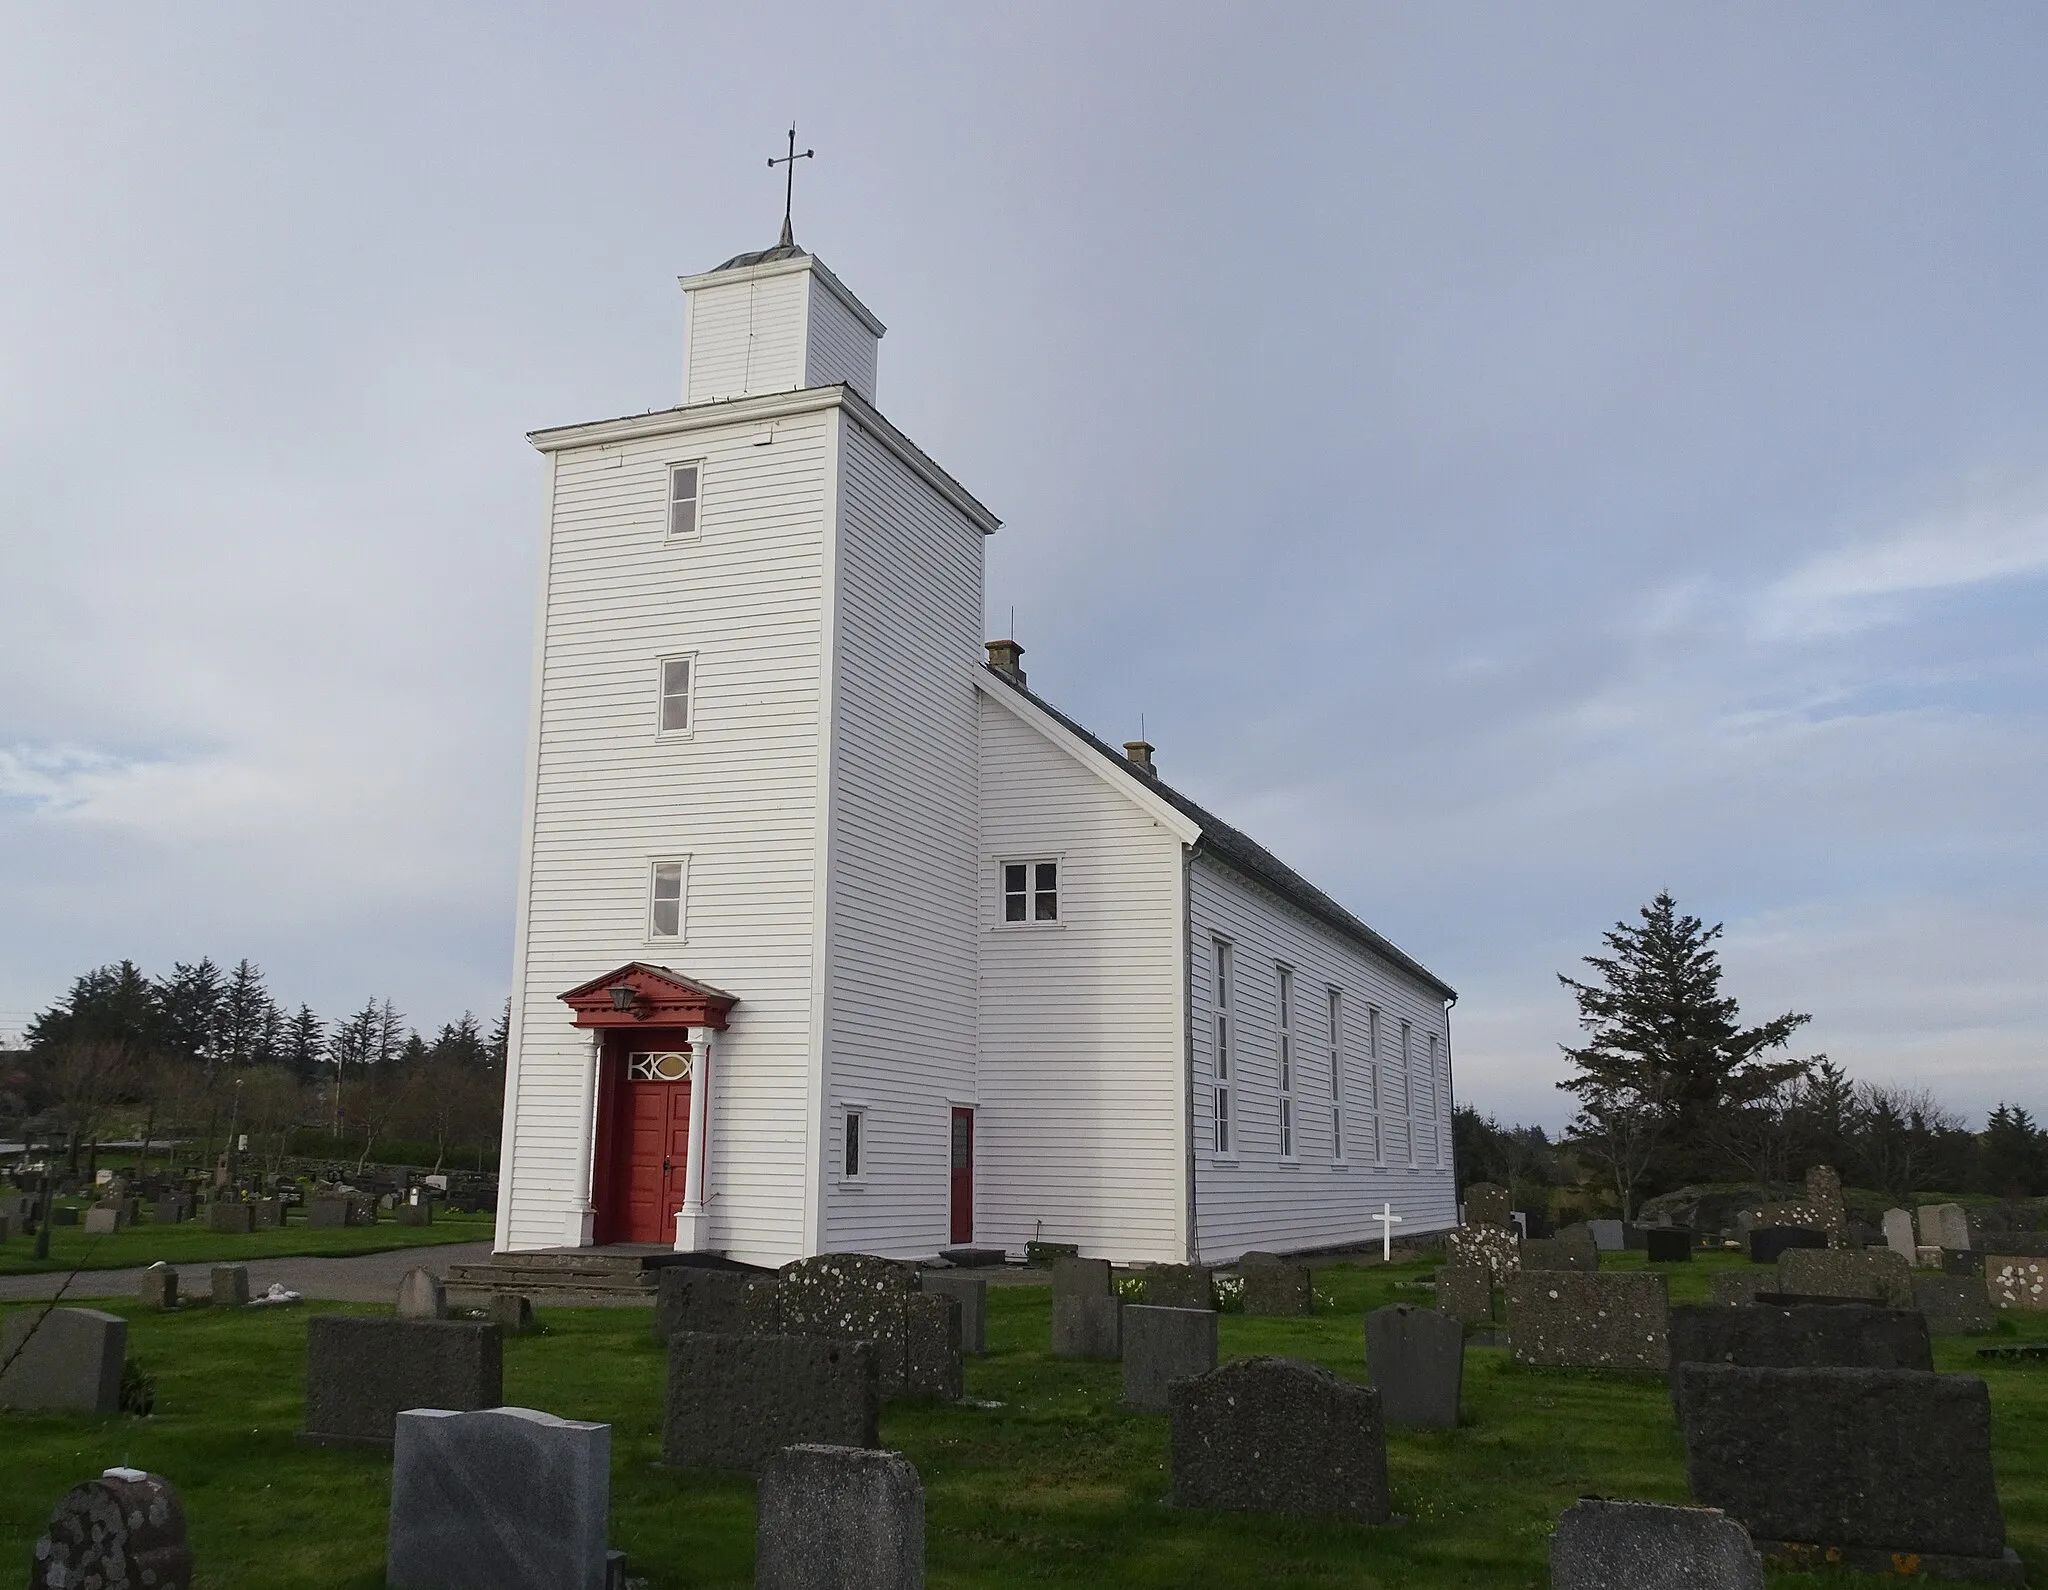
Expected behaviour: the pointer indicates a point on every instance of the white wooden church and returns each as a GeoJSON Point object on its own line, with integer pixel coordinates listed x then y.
{"type": "Point", "coordinates": [833, 936]}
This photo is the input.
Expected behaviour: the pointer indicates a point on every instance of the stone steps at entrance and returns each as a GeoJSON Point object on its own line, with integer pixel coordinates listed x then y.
{"type": "Point", "coordinates": [566, 1275]}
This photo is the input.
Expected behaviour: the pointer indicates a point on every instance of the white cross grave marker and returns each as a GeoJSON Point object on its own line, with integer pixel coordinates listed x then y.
{"type": "Point", "coordinates": [1388, 1220]}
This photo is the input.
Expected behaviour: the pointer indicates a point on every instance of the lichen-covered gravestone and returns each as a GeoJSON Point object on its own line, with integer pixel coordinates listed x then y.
{"type": "Point", "coordinates": [1552, 1254]}
{"type": "Point", "coordinates": [1849, 1466]}
{"type": "Point", "coordinates": [68, 1358]}
{"type": "Point", "coordinates": [1465, 1295]}
{"type": "Point", "coordinates": [713, 1302]}
{"type": "Point", "coordinates": [1570, 1321]}
{"type": "Point", "coordinates": [1179, 1286]}
{"type": "Point", "coordinates": [1953, 1305]}
{"type": "Point", "coordinates": [1605, 1545]}
{"type": "Point", "coordinates": [1086, 1312]}
{"type": "Point", "coordinates": [829, 1517]}
{"type": "Point", "coordinates": [1271, 1435]}
{"type": "Point", "coordinates": [1876, 1273]}
{"type": "Point", "coordinates": [1737, 1287]}
{"type": "Point", "coordinates": [932, 1371]}
{"type": "Point", "coordinates": [122, 1531]}
{"type": "Point", "coordinates": [1808, 1336]}
{"type": "Point", "coordinates": [498, 1499]}
{"type": "Point", "coordinates": [1162, 1345]}
{"type": "Point", "coordinates": [1486, 1204]}
{"type": "Point", "coordinates": [2015, 1282]}
{"type": "Point", "coordinates": [1416, 1359]}
{"type": "Point", "coordinates": [1490, 1248]}
{"type": "Point", "coordinates": [852, 1297]}
{"type": "Point", "coordinates": [734, 1401]}
{"type": "Point", "coordinates": [1824, 1198]}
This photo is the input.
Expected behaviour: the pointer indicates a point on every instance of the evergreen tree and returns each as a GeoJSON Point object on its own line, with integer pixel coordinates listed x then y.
{"type": "Point", "coordinates": [248, 1016]}
{"type": "Point", "coordinates": [2013, 1158]}
{"type": "Point", "coordinates": [303, 1044]}
{"type": "Point", "coordinates": [501, 1036]}
{"type": "Point", "coordinates": [1666, 1056]}
{"type": "Point", "coordinates": [462, 1041]}
{"type": "Point", "coordinates": [190, 1001]}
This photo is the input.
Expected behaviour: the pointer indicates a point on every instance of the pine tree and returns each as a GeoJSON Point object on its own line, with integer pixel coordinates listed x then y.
{"type": "Point", "coordinates": [303, 1044]}
{"type": "Point", "coordinates": [501, 1037]}
{"type": "Point", "coordinates": [248, 1015]}
{"type": "Point", "coordinates": [1667, 1055]}
{"type": "Point", "coordinates": [190, 1002]}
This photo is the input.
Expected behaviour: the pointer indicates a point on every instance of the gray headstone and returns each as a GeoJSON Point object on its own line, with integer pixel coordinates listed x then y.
{"type": "Point", "coordinates": [169, 1211]}
{"type": "Point", "coordinates": [158, 1287]}
{"type": "Point", "coordinates": [498, 1499]}
{"type": "Point", "coordinates": [1085, 1312]}
{"type": "Point", "coordinates": [1608, 1235]}
{"type": "Point", "coordinates": [1736, 1287]}
{"type": "Point", "coordinates": [1813, 1336]}
{"type": "Point", "coordinates": [1602, 1545]}
{"type": "Point", "coordinates": [1416, 1357]}
{"type": "Point", "coordinates": [1898, 1234]}
{"type": "Point", "coordinates": [233, 1219]}
{"type": "Point", "coordinates": [2015, 1282]}
{"type": "Point", "coordinates": [838, 1518]}
{"type": "Point", "coordinates": [1768, 1243]}
{"type": "Point", "coordinates": [1571, 1321]}
{"type": "Point", "coordinates": [1495, 1249]}
{"type": "Point", "coordinates": [1553, 1254]}
{"type": "Point", "coordinates": [1635, 1238]}
{"type": "Point", "coordinates": [72, 1359]}
{"type": "Point", "coordinates": [362, 1370]}
{"type": "Point", "coordinates": [422, 1296]}
{"type": "Point", "coordinates": [414, 1214]}
{"type": "Point", "coordinates": [1882, 1459]}
{"type": "Point", "coordinates": [330, 1212]}
{"type": "Point", "coordinates": [1486, 1204]}
{"type": "Point", "coordinates": [932, 1367]}
{"type": "Point", "coordinates": [1270, 1435]}
{"type": "Point", "coordinates": [1953, 1305]}
{"type": "Point", "coordinates": [1275, 1286]}
{"type": "Point", "coordinates": [1162, 1345]}
{"type": "Point", "coordinates": [2031, 1244]}
{"type": "Point", "coordinates": [713, 1302]}
{"type": "Point", "coordinates": [735, 1401]}
{"type": "Point", "coordinates": [269, 1213]}
{"type": "Point", "coordinates": [1944, 1226]}
{"type": "Point", "coordinates": [852, 1297]}
{"type": "Point", "coordinates": [1180, 1286]}
{"type": "Point", "coordinates": [511, 1312]}
{"type": "Point", "coordinates": [230, 1285]}
{"type": "Point", "coordinates": [972, 1293]}
{"type": "Point", "coordinates": [1465, 1295]}
{"type": "Point", "coordinates": [63, 1215]}
{"type": "Point", "coordinates": [1878, 1274]}
{"type": "Point", "coordinates": [101, 1221]}
{"type": "Point", "coordinates": [122, 1531]}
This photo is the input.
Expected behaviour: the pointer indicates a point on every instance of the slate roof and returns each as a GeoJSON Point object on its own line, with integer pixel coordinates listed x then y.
{"type": "Point", "coordinates": [1241, 852]}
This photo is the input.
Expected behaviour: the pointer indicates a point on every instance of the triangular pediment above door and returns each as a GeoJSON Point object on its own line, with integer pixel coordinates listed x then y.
{"type": "Point", "coordinates": [640, 995]}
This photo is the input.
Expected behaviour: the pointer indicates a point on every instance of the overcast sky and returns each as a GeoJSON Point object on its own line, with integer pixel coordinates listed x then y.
{"type": "Point", "coordinates": [1515, 458]}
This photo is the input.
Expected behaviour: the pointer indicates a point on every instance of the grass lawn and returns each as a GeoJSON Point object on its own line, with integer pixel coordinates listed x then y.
{"type": "Point", "coordinates": [1057, 1487]}
{"type": "Point", "coordinates": [190, 1242]}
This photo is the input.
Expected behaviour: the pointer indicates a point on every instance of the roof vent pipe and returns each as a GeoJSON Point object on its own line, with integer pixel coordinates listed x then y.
{"type": "Point", "coordinates": [1004, 656]}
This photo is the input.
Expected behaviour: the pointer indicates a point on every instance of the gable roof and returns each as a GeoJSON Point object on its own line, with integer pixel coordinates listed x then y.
{"type": "Point", "coordinates": [1233, 847]}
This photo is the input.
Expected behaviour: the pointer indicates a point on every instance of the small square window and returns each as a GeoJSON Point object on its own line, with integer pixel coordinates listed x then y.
{"type": "Point", "coordinates": [682, 500]}
{"type": "Point", "coordinates": [677, 675]}
{"type": "Point", "coordinates": [1031, 891]}
{"type": "Point", "coordinates": [665, 900]}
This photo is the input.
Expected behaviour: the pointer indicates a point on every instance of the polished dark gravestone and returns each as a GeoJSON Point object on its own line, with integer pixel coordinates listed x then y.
{"type": "Point", "coordinates": [363, 1370]}
{"type": "Point", "coordinates": [1766, 1243]}
{"type": "Point", "coordinates": [122, 1531]}
{"type": "Point", "coordinates": [498, 1499]}
{"type": "Point", "coordinates": [835, 1517]}
{"type": "Point", "coordinates": [1416, 1359]}
{"type": "Point", "coordinates": [1849, 1465]}
{"type": "Point", "coordinates": [1611, 1545]}
{"type": "Point", "coordinates": [63, 1358]}
{"type": "Point", "coordinates": [713, 1302]}
{"type": "Point", "coordinates": [1162, 1345]}
{"type": "Point", "coordinates": [1086, 1312]}
{"type": "Point", "coordinates": [971, 1291]}
{"type": "Point", "coordinates": [734, 1401]}
{"type": "Point", "coordinates": [1271, 1435]}
{"type": "Point", "coordinates": [1758, 1336]}
{"type": "Point", "coordinates": [1668, 1244]}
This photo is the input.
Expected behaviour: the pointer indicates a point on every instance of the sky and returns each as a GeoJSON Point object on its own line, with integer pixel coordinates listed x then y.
{"type": "Point", "coordinates": [1514, 459]}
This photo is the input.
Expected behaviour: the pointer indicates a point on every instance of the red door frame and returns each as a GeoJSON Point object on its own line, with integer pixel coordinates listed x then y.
{"type": "Point", "coordinates": [960, 1177]}
{"type": "Point", "coordinates": [611, 1167]}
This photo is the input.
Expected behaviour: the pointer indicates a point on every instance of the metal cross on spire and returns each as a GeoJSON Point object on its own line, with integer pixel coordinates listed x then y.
{"type": "Point", "coordinates": [789, 181]}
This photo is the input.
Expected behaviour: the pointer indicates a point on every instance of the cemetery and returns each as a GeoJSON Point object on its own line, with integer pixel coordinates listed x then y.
{"type": "Point", "coordinates": [1069, 1427]}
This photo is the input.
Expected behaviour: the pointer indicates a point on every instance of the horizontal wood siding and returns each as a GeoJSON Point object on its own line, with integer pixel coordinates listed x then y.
{"type": "Point", "coordinates": [746, 337]}
{"type": "Point", "coordinates": [839, 347]}
{"type": "Point", "coordinates": [1255, 1199]}
{"type": "Point", "coordinates": [738, 797]}
{"type": "Point", "coordinates": [1081, 1051]}
{"type": "Point", "coordinates": [900, 1035]}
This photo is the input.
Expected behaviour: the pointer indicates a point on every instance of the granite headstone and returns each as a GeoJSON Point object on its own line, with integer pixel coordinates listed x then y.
{"type": "Point", "coordinates": [363, 1370]}
{"type": "Point", "coordinates": [713, 1302]}
{"type": "Point", "coordinates": [1162, 1345]}
{"type": "Point", "coordinates": [1416, 1359]}
{"type": "Point", "coordinates": [734, 1401]}
{"type": "Point", "coordinates": [122, 1531]}
{"type": "Point", "coordinates": [1613, 1545]}
{"type": "Point", "coordinates": [1271, 1435]}
{"type": "Point", "coordinates": [838, 1518]}
{"type": "Point", "coordinates": [971, 1291]}
{"type": "Point", "coordinates": [1569, 1321]}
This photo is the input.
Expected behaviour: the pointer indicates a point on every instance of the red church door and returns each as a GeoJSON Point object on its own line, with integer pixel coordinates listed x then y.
{"type": "Point", "coordinates": [657, 1144]}
{"type": "Point", "coordinates": [963, 1176]}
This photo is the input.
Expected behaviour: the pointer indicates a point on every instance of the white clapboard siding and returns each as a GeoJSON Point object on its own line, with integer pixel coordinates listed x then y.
{"type": "Point", "coordinates": [1253, 1198]}
{"type": "Point", "coordinates": [900, 1034]}
{"type": "Point", "coordinates": [840, 346]}
{"type": "Point", "coordinates": [1082, 1056]}
{"type": "Point", "coordinates": [746, 335]}
{"type": "Point", "coordinates": [738, 797]}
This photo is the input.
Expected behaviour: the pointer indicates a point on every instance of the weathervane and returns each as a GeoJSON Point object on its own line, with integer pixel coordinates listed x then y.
{"type": "Point", "coordinates": [789, 181]}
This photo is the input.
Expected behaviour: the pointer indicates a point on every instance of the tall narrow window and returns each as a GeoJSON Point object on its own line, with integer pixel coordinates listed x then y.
{"type": "Point", "coordinates": [1219, 1005]}
{"type": "Point", "coordinates": [1031, 891]}
{"type": "Point", "coordinates": [850, 1163]}
{"type": "Point", "coordinates": [1408, 1085]}
{"type": "Point", "coordinates": [665, 900]}
{"type": "Point", "coordinates": [1336, 1074]}
{"type": "Point", "coordinates": [1430, 1100]}
{"type": "Point", "coordinates": [1285, 980]}
{"type": "Point", "coordinates": [682, 500]}
{"type": "Point", "coordinates": [1375, 1093]}
{"type": "Point", "coordinates": [677, 673]}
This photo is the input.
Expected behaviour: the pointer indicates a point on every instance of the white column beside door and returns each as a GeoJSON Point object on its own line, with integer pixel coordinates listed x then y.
{"type": "Point", "coordinates": [580, 1229]}
{"type": "Point", "coordinates": [693, 1225]}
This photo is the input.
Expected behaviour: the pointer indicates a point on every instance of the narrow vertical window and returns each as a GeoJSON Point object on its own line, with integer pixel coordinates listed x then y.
{"type": "Point", "coordinates": [1434, 1113]}
{"type": "Point", "coordinates": [1336, 1074]}
{"type": "Point", "coordinates": [1285, 980]}
{"type": "Point", "coordinates": [677, 674]}
{"type": "Point", "coordinates": [682, 500]}
{"type": "Point", "coordinates": [851, 1162]}
{"type": "Point", "coordinates": [1375, 1094]}
{"type": "Point", "coordinates": [1408, 1085]}
{"type": "Point", "coordinates": [665, 900]}
{"type": "Point", "coordinates": [1031, 891]}
{"type": "Point", "coordinates": [1219, 1005]}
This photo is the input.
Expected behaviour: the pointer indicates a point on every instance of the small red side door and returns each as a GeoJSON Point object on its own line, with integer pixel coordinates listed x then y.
{"type": "Point", "coordinates": [963, 1176]}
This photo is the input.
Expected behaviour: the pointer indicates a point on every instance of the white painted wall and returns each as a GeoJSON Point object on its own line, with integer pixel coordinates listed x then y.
{"type": "Point", "coordinates": [746, 334]}
{"type": "Point", "coordinates": [1082, 1057]}
{"type": "Point", "coordinates": [739, 797]}
{"type": "Point", "coordinates": [1253, 1198]}
{"type": "Point", "coordinates": [839, 346]}
{"type": "Point", "coordinates": [900, 1037]}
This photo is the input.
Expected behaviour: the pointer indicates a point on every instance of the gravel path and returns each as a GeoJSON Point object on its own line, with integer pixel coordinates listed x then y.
{"type": "Point", "coordinates": [366, 1278]}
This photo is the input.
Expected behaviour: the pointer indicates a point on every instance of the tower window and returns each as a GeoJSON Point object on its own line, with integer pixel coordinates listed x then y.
{"type": "Point", "coordinates": [682, 500]}
{"type": "Point", "coordinates": [678, 676]}
{"type": "Point", "coordinates": [665, 899]}
{"type": "Point", "coordinates": [1031, 891]}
